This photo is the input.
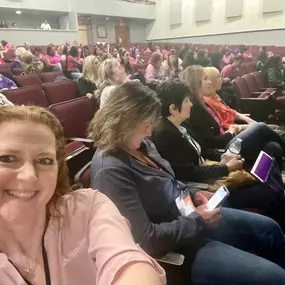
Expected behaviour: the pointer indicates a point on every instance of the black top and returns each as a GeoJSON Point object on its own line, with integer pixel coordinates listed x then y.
{"type": "Point", "coordinates": [85, 86]}
{"type": "Point", "coordinates": [206, 127]}
{"type": "Point", "coordinates": [182, 156]}
{"type": "Point", "coordinates": [146, 197]}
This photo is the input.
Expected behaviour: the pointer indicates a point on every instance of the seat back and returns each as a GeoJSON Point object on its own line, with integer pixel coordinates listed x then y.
{"type": "Point", "coordinates": [57, 92]}
{"type": "Point", "coordinates": [74, 116]}
{"type": "Point", "coordinates": [258, 79]}
{"type": "Point", "coordinates": [241, 89]}
{"type": "Point", "coordinates": [6, 70]}
{"type": "Point", "coordinates": [29, 95]}
{"type": "Point", "coordinates": [51, 76]}
{"type": "Point", "coordinates": [28, 80]}
{"type": "Point", "coordinates": [251, 83]}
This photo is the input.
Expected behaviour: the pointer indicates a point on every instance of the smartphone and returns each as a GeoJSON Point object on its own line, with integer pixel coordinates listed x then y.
{"type": "Point", "coordinates": [262, 166]}
{"type": "Point", "coordinates": [221, 194]}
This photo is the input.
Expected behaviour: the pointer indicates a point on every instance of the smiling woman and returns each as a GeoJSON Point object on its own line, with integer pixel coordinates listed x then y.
{"type": "Point", "coordinates": [50, 235]}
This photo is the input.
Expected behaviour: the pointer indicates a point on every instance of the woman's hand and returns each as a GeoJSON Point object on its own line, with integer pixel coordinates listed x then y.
{"type": "Point", "coordinates": [211, 218]}
{"type": "Point", "coordinates": [235, 163]}
{"type": "Point", "coordinates": [202, 197]}
{"type": "Point", "coordinates": [89, 95]}
{"type": "Point", "coordinates": [235, 129]}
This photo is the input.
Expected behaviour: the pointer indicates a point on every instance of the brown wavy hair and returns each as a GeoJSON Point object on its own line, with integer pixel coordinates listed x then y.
{"type": "Point", "coordinates": [42, 116]}
{"type": "Point", "coordinates": [130, 104]}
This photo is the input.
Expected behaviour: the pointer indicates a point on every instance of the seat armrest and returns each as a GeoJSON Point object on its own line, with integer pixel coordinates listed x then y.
{"type": "Point", "coordinates": [172, 258]}
{"type": "Point", "coordinates": [79, 173]}
{"type": "Point", "coordinates": [88, 142]}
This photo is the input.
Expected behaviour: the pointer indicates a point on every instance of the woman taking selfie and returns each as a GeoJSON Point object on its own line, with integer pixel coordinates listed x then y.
{"type": "Point", "coordinates": [128, 169]}
{"type": "Point", "coordinates": [50, 235]}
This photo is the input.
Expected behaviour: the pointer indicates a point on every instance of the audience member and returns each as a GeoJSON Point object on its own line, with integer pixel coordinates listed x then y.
{"type": "Point", "coordinates": [6, 46]}
{"type": "Point", "coordinates": [27, 46]}
{"type": "Point", "coordinates": [84, 52]}
{"type": "Point", "coordinates": [6, 83]}
{"type": "Point", "coordinates": [14, 25]}
{"type": "Point", "coordinates": [128, 169]}
{"type": "Point", "coordinates": [38, 59]}
{"type": "Point", "coordinates": [244, 51]}
{"type": "Point", "coordinates": [201, 59]}
{"type": "Point", "coordinates": [216, 60]}
{"type": "Point", "coordinates": [51, 60]}
{"type": "Point", "coordinates": [87, 82]}
{"type": "Point", "coordinates": [171, 66]}
{"type": "Point", "coordinates": [188, 60]}
{"type": "Point", "coordinates": [125, 61]}
{"type": "Point", "coordinates": [110, 75]}
{"type": "Point", "coordinates": [45, 25]}
{"type": "Point", "coordinates": [58, 223]}
{"type": "Point", "coordinates": [17, 62]}
{"type": "Point", "coordinates": [28, 64]}
{"type": "Point", "coordinates": [73, 63]}
{"type": "Point", "coordinates": [272, 73]}
{"type": "Point", "coordinates": [3, 24]}
{"type": "Point", "coordinates": [136, 57]}
{"type": "Point", "coordinates": [154, 71]}
{"type": "Point", "coordinates": [230, 70]}
{"type": "Point", "coordinates": [261, 59]}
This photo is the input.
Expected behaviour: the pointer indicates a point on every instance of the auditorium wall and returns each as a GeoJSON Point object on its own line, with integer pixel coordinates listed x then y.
{"type": "Point", "coordinates": [260, 22]}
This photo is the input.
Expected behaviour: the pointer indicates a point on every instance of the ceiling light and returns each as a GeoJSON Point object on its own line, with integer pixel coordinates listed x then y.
{"type": "Point", "coordinates": [18, 12]}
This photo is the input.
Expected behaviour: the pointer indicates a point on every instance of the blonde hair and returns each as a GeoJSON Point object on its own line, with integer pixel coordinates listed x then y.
{"type": "Point", "coordinates": [27, 57]}
{"type": "Point", "coordinates": [191, 77]}
{"type": "Point", "coordinates": [105, 74]}
{"type": "Point", "coordinates": [88, 71]}
{"type": "Point", "coordinates": [19, 52]}
{"type": "Point", "coordinates": [213, 74]}
{"type": "Point", "coordinates": [130, 104]}
{"type": "Point", "coordinates": [42, 116]}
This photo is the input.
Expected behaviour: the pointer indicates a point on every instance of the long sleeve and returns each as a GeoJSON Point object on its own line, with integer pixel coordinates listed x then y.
{"type": "Point", "coordinates": [111, 244]}
{"type": "Point", "coordinates": [119, 186]}
{"type": "Point", "coordinates": [186, 169]}
{"type": "Point", "coordinates": [273, 79]}
{"type": "Point", "coordinates": [150, 76]}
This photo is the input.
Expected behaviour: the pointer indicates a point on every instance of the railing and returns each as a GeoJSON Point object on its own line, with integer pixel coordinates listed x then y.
{"type": "Point", "coordinates": [148, 2]}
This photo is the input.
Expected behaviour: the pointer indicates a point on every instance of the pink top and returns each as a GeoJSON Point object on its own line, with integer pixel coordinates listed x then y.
{"type": "Point", "coordinates": [132, 60]}
{"type": "Point", "coordinates": [153, 75]}
{"type": "Point", "coordinates": [72, 63]}
{"type": "Point", "coordinates": [227, 71]}
{"type": "Point", "coordinates": [90, 249]}
{"type": "Point", "coordinates": [52, 59]}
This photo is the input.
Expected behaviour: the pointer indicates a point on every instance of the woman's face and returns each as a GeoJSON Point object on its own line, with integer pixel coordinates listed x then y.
{"type": "Point", "coordinates": [173, 59]}
{"type": "Point", "coordinates": [52, 51]}
{"type": "Point", "coordinates": [206, 86]}
{"type": "Point", "coordinates": [127, 57]}
{"type": "Point", "coordinates": [185, 111]}
{"type": "Point", "coordinates": [142, 131]}
{"type": "Point", "coordinates": [28, 169]}
{"type": "Point", "coordinates": [119, 74]}
{"type": "Point", "coordinates": [95, 66]}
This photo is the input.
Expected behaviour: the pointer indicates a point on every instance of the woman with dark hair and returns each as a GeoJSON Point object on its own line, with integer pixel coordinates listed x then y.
{"type": "Point", "coordinates": [154, 71]}
{"type": "Point", "coordinates": [188, 60]}
{"type": "Point", "coordinates": [261, 59]}
{"type": "Point", "coordinates": [171, 66]}
{"type": "Point", "coordinates": [125, 61]}
{"type": "Point", "coordinates": [51, 61]}
{"type": "Point", "coordinates": [272, 73]}
{"type": "Point", "coordinates": [72, 63]}
{"type": "Point", "coordinates": [84, 52]}
{"type": "Point", "coordinates": [128, 169]}
{"type": "Point", "coordinates": [201, 59]}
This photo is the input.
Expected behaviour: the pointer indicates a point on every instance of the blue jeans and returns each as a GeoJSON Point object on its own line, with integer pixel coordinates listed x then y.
{"type": "Point", "coordinates": [244, 249]}
{"type": "Point", "coordinates": [75, 74]}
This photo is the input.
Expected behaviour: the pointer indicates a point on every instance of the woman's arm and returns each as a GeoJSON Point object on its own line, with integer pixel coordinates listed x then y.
{"type": "Point", "coordinates": [242, 117]}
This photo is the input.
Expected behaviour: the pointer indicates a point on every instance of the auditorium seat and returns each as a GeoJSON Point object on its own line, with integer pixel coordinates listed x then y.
{"type": "Point", "coordinates": [74, 116]}
{"type": "Point", "coordinates": [51, 76]}
{"type": "Point", "coordinates": [253, 87]}
{"type": "Point", "coordinates": [29, 95]}
{"type": "Point", "coordinates": [28, 80]}
{"type": "Point", "coordinates": [6, 70]}
{"type": "Point", "coordinates": [258, 105]}
{"type": "Point", "coordinates": [60, 91]}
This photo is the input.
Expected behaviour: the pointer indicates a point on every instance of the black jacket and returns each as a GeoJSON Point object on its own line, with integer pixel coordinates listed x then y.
{"type": "Point", "coordinates": [146, 197]}
{"type": "Point", "coordinates": [85, 86]}
{"type": "Point", "coordinates": [275, 77]}
{"type": "Point", "coordinates": [182, 156]}
{"type": "Point", "coordinates": [206, 127]}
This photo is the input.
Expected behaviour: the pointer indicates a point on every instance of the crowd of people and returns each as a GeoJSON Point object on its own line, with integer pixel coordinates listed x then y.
{"type": "Point", "coordinates": [154, 135]}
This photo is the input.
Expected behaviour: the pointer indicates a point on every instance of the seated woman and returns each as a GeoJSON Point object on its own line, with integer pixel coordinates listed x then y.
{"type": "Point", "coordinates": [136, 57]}
{"type": "Point", "coordinates": [6, 83]}
{"type": "Point", "coordinates": [110, 75]}
{"type": "Point", "coordinates": [28, 64]}
{"type": "Point", "coordinates": [129, 170]}
{"type": "Point", "coordinates": [17, 62]}
{"type": "Point", "coordinates": [87, 82]}
{"type": "Point", "coordinates": [125, 61]}
{"type": "Point", "coordinates": [171, 65]}
{"type": "Point", "coordinates": [230, 70]}
{"type": "Point", "coordinates": [65, 237]}
{"type": "Point", "coordinates": [38, 59]}
{"type": "Point", "coordinates": [272, 73]}
{"type": "Point", "coordinates": [73, 63]}
{"type": "Point", "coordinates": [51, 61]}
{"type": "Point", "coordinates": [261, 59]}
{"type": "Point", "coordinates": [207, 125]}
{"type": "Point", "coordinates": [186, 153]}
{"type": "Point", "coordinates": [154, 72]}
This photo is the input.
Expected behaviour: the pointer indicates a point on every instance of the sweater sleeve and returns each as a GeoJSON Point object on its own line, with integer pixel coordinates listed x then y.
{"type": "Point", "coordinates": [119, 186]}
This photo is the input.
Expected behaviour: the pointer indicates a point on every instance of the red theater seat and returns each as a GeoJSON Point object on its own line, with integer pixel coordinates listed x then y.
{"type": "Point", "coordinates": [29, 95]}
{"type": "Point", "coordinates": [60, 91]}
{"type": "Point", "coordinates": [51, 76]}
{"type": "Point", "coordinates": [74, 115]}
{"type": "Point", "coordinates": [28, 80]}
